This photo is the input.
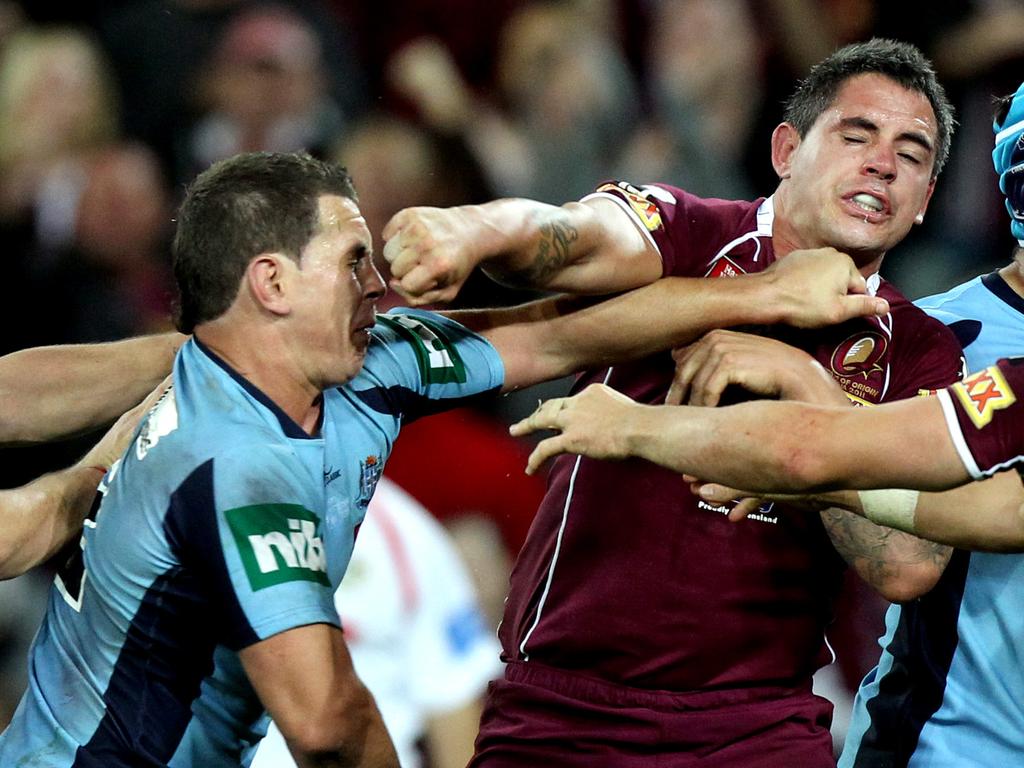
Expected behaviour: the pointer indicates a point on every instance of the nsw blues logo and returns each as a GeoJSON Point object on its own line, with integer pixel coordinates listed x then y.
{"type": "Point", "coordinates": [370, 470]}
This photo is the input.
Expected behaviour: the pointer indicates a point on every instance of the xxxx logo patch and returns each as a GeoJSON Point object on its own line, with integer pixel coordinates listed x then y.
{"type": "Point", "coordinates": [983, 393]}
{"type": "Point", "coordinates": [642, 205]}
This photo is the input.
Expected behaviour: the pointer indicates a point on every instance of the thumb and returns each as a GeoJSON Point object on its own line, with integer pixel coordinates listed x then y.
{"type": "Point", "coordinates": [863, 306]}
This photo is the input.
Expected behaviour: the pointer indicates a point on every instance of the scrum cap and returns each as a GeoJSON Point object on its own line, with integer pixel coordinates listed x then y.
{"type": "Point", "coordinates": [1008, 158]}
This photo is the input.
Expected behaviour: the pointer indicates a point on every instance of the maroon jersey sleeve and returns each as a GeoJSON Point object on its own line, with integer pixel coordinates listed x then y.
{"type": "Point", "coordinates": [985, 417]}
{"type": "Point", "coordinates": [686, 230]}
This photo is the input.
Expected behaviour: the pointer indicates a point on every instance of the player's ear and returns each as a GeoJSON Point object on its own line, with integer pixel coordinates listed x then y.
{"type": "Point", "coordinates": [266, 279]}
{"type": "Point", "coordinates": [919, 219]}
{"type": "Point", "coordinates": [785, 140]}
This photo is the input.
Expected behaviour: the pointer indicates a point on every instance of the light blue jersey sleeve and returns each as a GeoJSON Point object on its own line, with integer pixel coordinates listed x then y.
{"type": "Point", "coordinates": [264, 552]}
{"type": "Point", "coordinates": [420, 362]}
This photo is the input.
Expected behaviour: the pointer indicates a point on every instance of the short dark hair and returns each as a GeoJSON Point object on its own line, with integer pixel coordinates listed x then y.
{"type": "Point", "coordinates": [901, 62]}
{"type": "Point", "coordinates": [254, 203]}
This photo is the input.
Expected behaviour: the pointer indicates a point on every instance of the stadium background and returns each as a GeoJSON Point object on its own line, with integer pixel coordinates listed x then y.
{"type": "Point", "coordinates": [107, 108]}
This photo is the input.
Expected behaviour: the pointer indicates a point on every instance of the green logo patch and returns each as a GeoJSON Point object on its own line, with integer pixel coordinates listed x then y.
{"type": "Point", "coordinates": [278, 543]}
{"type": "Point", "coordinates": [438, 359]}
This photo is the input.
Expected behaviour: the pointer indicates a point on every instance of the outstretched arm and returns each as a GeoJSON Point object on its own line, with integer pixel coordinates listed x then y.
{"type": "Point", "coordinates": [590, 248]}
{"type": "Point", "coordinates": [48, 393]}
{"type": "Point", "coordinates": [305, 678]}
{"type": "Point", "coordinates": [763, 446]}
{"type": "Point", "coordinates": [38, 518]}
{"type": "Point", "coordinates": [987, 515]}
{"type": "Point", "coordinates": [546, 340]}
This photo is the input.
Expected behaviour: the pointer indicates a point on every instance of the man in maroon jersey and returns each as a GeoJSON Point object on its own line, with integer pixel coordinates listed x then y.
{"type": "Point", "coordinates": [640, 623]}
{"type": "Point", "coordinates": [973, 430]}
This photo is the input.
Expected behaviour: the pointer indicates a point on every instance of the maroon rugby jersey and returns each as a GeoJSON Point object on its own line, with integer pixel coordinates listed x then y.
{"type": "Point", "coordinates": [985, 417]}
{"type": "Point", "coordinates": [628, 577]}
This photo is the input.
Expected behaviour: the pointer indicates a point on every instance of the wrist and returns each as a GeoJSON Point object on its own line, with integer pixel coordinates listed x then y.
{"type": "Point", "coordinates": [636, 429]}
{"type": "Point", "coordinates": [768, 302]}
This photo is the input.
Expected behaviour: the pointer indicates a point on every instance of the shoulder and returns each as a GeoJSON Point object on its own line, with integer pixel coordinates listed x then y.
{"type": "Point", "coordinates": [911, 321]}
{"type": "Point", "coordinates": [957, 302]}
{"type": "Point", "coordinates": [426, 352]}
{"type": "Point", "coordinates": [660, 205]}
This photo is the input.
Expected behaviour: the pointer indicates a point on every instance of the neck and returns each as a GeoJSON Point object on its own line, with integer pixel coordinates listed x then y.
{"type": "Point", "coordinates": [785, 240]}
{"type": "Point", "coordinates": [262, 359]}
{"type": "Point", "coordinates": [1013, 273]}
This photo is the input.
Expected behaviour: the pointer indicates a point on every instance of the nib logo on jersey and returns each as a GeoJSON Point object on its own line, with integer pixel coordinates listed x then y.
{"type": "Point", "coordinates": [278, 543]}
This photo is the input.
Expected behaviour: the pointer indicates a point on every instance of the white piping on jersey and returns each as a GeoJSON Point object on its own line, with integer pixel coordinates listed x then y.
{"type": "Point", "coordinates": [831, 650]}
{"type": "Point", "coordinates": [629, 213]}
{"type": "Point", "coordinates": [558, 548]}
{"type": "Point", "coordinates": [953, 425]}
{"type": "Point", "coordinates": [765, 220]}
{"type": "Point", "coordinates": [885, 323]}
{"type": "Point", "coordinates": [1008, 130]}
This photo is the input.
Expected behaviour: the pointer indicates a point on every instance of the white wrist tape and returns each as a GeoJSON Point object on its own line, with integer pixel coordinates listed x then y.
{"type": "Point", "coordinates": [893, 507]}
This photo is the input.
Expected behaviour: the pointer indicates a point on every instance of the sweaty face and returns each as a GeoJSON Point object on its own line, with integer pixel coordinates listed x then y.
{"type": "Point", "coordinates": [337, 292]}
{"type": "Point", "coordinates": [863, 173]}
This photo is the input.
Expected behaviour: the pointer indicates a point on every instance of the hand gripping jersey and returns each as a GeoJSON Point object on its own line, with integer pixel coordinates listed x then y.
{"type": "Point", "coordinates": [222, 525]}
{"type": "Point", "coordinates": [626, 576]}
{"type": "Point", "coordinates": [412, 623]}
{"type": "Point", "coordinates": [947, 689]}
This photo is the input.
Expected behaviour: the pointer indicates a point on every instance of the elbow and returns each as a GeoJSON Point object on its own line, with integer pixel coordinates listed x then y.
{"type": "Point", "coordinates": [9, 568]}
{"type": "Point", "coordinates": [336, 731]}
{"type": "Point", "coordinates": [912, 584]}
{"type": "Point", "coordinates": [17, 554]}
{"type": "Point", "coordinates": [801, 468]}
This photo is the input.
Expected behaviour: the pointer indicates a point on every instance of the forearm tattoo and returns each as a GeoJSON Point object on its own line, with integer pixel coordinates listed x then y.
{"type": "Point", "coordinates": [553, 253]}
{"type": "Point", "coordinates": [881, 554]}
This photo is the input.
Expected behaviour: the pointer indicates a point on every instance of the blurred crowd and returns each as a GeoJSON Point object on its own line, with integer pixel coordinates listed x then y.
{"type": "Point", "coordinates": [108, 108]}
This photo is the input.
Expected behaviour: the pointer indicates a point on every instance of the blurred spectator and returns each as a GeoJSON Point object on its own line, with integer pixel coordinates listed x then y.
{"type": "Point", "coordinates": [57, 102]}
{"type": "Point", "coordinates": [112, 279]}
{"type": "Point", "coordinates": [160, 48]}
{"type": "Point", "coordinates": [57, 109]}
{"type": "Point", "coordinates": [566, 101]}
{"type": "Point", "coordinates": [469, 29]}
{"type": "Point", "coordinates": [264, 88]}
{"type": "Point", "coordinates": [706, 97]}
{"type": "Point", "coordinates": [11, 18]}
{"type": "Point", "coordinates": [416, 635]}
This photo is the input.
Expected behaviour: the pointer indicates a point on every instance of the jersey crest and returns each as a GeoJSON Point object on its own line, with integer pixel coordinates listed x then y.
{"type": "Point", "coordinates": [859, 355]}
{"type": "Point", "coordinates": [370, 470]}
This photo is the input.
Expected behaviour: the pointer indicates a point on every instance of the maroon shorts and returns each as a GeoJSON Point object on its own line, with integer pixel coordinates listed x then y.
{"type": "Point", "coordinates": [538, 716]}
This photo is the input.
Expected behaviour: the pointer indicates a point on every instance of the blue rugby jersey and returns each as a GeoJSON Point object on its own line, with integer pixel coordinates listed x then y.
{"type": "Point", "coordinates": [947, 688]}
{"type": "Point", "coordinates": [223, 524]}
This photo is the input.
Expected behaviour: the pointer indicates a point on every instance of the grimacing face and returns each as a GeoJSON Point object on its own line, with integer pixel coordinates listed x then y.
{"type": "Point", "coordinates": [862, 176]}
{"type": "Point", "coordinates": [338, 291]}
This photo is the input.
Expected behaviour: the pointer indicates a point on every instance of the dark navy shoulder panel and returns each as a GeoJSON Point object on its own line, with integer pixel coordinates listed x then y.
{"type": "Point", "coordinates": [168, 650]}
{"type": "Point", "coordinates": [409, 405]}
{"type": "Point", "coordinates": [912, 690]}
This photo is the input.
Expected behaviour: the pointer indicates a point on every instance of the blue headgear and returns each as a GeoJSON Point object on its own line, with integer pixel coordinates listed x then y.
{"type": "Point", "coordinates": [1008, 158]}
